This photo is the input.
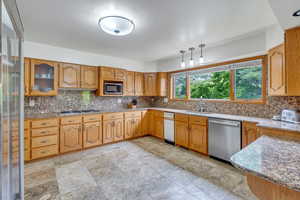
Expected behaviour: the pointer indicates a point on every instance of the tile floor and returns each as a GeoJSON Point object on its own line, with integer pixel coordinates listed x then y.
{"type": "Point", "coordinates": [141, 169]}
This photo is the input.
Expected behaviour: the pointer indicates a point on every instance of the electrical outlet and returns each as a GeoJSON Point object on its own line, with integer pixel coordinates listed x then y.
{"type": "Point", "coordinates": [166, 100]}
{"type": "Point", "coordinates": [119, 100]}
{"type": "Point", "coordinates": [31, 102]}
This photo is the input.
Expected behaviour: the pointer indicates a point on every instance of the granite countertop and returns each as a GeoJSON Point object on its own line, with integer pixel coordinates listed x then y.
{"type": "Point", "coordinates": [261, 122]}
{"type": "Point", "coordinates": [273, 159]}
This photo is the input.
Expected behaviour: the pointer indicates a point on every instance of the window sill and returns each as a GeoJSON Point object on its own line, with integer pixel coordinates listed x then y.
{"type": "Point", "coordinates": [257, 101]}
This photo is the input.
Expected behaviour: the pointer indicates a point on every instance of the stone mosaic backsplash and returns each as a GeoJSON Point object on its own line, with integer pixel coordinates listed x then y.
{"type": "Point", "coordinates": [80, 100]}
{"type": "Point", "coordinates": [273, 106]}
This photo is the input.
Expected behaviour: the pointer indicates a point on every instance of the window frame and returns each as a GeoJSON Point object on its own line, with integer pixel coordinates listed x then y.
{"type": "Point", "coordinates": [232, 98]}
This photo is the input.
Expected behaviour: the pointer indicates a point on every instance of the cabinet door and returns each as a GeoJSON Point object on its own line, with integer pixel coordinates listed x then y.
{"type": "Point", "coordinates": [182, 134]}
{"type": "Point", "coordinates": [145, 122]}
{"type": "Point", "coordinates": [43, 78]}
{"type": "Point", "coordinates": [129, 84]}
{"type": "Point", "coordinates": [108, 131]}
{"type": "Point", "coordinates": [151, 123]}
{"type": "Point", "coordinates": [198, 138]}
{"type": "Point", "coordinates": [129, 128]}
{"type": "Point", "coordinates": [159, 127]}
{"type": "Point", "coordinates": [139, 83]}
{"type": "Point", "coordinates": [118, 130]}
{"type": "Point", "coordinates": [92, 134]}
{"type": "Point", "coordinates": [26, 76]}
{"type": "Point", "coordinates": [137, 131]}
{"type": "Point", "coordinates": [70, 138]}
{"type": "Point", "coordinates": [150, 84]}
{"type": "Point", "coordinates": [250, 133]}
{"type": "Point", "coordinates": [120, 75]}
{"type": "Point", "coordinates": [277, 73]}
{"type": "Point", "coordinates": [107, 73]}
{"type": "Point", "coordinates": [69, 76]}
{"type": "Point", "coordinates": [89, 77]}
{"type": "Point", "coordinates": [162, 84]}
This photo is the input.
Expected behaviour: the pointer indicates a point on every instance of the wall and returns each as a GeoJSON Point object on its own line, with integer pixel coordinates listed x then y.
{"type": "Point", "coordinates": [78, 100]}
{"type": "Point", "coordinates": [274, 36]}
{"type": "Point", "coordinates": [44, 51]}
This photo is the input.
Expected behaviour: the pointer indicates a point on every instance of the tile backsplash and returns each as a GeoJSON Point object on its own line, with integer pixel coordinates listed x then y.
{"type": "Point", "coordinates": [272, 107]}
{"type": "Point", "coordinates": [78, 100]}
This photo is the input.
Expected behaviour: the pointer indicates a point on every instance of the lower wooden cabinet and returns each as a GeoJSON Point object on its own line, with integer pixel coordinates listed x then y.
{"type": "Point", "coordinates": [113, 127]}
{"type": "Point", "coordinates": [44, 151]}
{"type": "Point", "coordinates": [70, 138]}
{"type": "Point", "coordinates": [108, 132]}
{"type": "Point", "coordinates": [118, 130]}
{"type": "Point", "coordinates": [198, 138]}
{"type": "Point", "coordinates": [132, 127]}
{"type": "Point", "coordinates": [249, 133]}
{"type": "Point", "coordinates": [182, 134]}
{"type": "Point", "coordinates": [159, 127]}
{"type": "Point", "coordinates": [145, 123]}
{"type": "Point", "coordinates": [92, 134]}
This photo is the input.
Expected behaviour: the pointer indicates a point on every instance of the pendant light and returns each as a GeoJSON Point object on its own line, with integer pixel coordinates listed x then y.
{"type": "Point", "coordinates": [192, 59]}
{"type": "Point", "coordinates": [182, 64]}
{"type": "Point", "coordinates": [201, 59]}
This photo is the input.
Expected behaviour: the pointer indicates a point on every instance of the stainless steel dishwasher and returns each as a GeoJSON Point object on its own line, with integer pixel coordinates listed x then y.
{"type": "Point", "coordinates": [224, 138]}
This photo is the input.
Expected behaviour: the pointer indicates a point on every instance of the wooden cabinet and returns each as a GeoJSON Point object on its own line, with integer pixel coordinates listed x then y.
{"type": "Point", "coordinates": [113, 127]}
{"type": "Point", "coordinates": [150, 84]}
{"type": "Point", "coordinates": [139, 83]}
{"type": "Point", "coordinates": [290, 135]}
{"type": "Point", "coordinates": [249, 133]}
{"type": "Point", "coordinates": [162, 84]}
{"type": "Point", "coordinates": [198, 135]}
{"type": "Point", "coordinates": [26, 76]}
{"type": "Point", "coordinates": [158, 122]}
{"type": "Point", "coordinates": [70, 138]}
{"type": "Point", "coordinates": [129, 84]}
{"type": "Point", "coordinates": [92, 134]}
{"type": "Point", "coordinates": [120, 75]}
{"type": "Point", "coordinates": [181, 130]}
{"type": "Point", "coordinates": [43, 78]}
{"type": "Point", "coordinates": [89, 77]}
{"type": "Point", "coordinates": [27, 140]}
{"type": "Point", "coordinates": [112, 74]}
{"type": "Point", "coordinates": [145, 122]}
{"type": "Point", "coordinates": [284, 61]}
{"type": "Point", "coordinates": [69, 75]}
{"type": "Point", "coordinates": [133, 125]}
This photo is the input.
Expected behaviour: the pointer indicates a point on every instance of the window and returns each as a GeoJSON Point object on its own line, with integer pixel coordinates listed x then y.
{"type": "Point", "coordinates": [237, 81]}
{"type": "Point", "coordinates": [179, 86]}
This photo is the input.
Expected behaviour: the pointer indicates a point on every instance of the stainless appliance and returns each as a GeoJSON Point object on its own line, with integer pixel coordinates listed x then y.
{"type": "Point", "coordinates": [224, 138]}
{"type": "Point", "coordinates": [292, 116]}
{"type": "Point", "coordinates": [11, 103]}
{"type": "Point", "coordinates": [169, 129]}
{"type": "Point", "coordinates": [113, 88]}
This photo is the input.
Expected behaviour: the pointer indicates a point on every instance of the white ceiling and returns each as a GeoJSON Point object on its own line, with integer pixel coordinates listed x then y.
{"type": "Point", "coordinates": [163, 27]}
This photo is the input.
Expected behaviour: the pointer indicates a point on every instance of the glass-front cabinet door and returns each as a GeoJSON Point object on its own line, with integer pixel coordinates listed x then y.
{"type": "Point", "coordinates": [44, 78]}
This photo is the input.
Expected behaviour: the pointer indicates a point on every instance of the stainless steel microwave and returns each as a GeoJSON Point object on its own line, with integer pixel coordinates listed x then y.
{"type": "Point", "coordinates": [113, 88]}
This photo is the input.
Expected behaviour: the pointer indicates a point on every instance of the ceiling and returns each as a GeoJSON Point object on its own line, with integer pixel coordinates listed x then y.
{"type": "Point", "coordinates": [162, 27]}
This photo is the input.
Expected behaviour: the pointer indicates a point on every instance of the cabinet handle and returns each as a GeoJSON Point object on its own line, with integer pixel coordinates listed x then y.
{"type": "Point", "coordinates": [70, 121]}
{"type": "Point", "coordinates": [44, 132]}
{"type": "Point", "coordinates": [43, 152]}
{"type": "Point", "coordinates": [44, 141]}
{"type": "Point", "coordinates": [44, 123]}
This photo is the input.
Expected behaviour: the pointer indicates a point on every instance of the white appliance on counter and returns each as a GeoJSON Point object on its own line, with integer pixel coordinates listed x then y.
{"type": "Point", "coordinates": [169, 127]}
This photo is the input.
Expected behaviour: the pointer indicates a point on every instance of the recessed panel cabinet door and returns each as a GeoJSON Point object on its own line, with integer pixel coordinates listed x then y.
{"type": "Point", "coordinates": [69, 76]}
{"type": "Point", "coordinates": [137, 127]}
{"type": "Point", "coordinates": [182, 134]}
{"type": "Point", "coordinates": [129, 84]}
{"type": "Point", "coordinates": [107, 73]}
{"type": "Point", "coordinates": [129, 128]}
{"type": "Point", "coordinates": [250, 133]}
{"type": "Point", "coordinates": [139, 83]}
{"type": "Point", "coordinates": [150, 84]}
{"type": "Point", "coordinates": [108, 131]}
{"type": "Point", "coordinates": [70, 138]}
{"type": "Point", "coordinates": [26, 76]}
{"type": "Point", "coordinates": [198, 138]}
{"type": "Point", "coordinates": [89, 77]}
{"type": "Point", "coordinates": [145, 123]}
{"type": "Point", "coordinates": [159, 127]}
{"type": "Point", "coordinates": [92, 134]}
{"type": "Point", "coordinates": [118, 130]}
{"type": "Point", "coordinates": [120, 75]}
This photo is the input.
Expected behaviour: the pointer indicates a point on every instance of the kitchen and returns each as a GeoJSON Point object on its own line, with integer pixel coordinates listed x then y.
{"type": "Point", "coordinates": [144, 109]}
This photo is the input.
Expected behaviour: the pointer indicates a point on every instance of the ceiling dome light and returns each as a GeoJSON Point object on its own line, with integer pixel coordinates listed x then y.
{"type": "Point", "coordinates": [297, 13]}
{"type": "Point", "coordinates": [116, 25]}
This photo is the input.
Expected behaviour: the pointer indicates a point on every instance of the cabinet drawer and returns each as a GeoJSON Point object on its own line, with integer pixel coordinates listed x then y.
{"type": "Point", "coordinates": [198, 120]}
{"type": "Point", "coordinates": [112, 116]}
{"type": "Point", "coordinates": [71, 120]}
{"type": "Point", "coordinates": [44, 151]}
{"type": "Point", "coordinates": [181, 117]}
{"type": "Point", "coordinates": [44, 131]}
{"type": "Point", "coordinates": [91, 124]}
{"type": "Point", "coordinates": [44, 123]}
{"type": "Point", "coordinates": [15, 146]}
{"type": "Point", "coordinates": [133, 114]}
{"type": "Point", "coordinates": [44, 141]}
{"type": "Point", "coordinates": [92, 118]}
{"type": "Point", "coordinates": [26, 124]}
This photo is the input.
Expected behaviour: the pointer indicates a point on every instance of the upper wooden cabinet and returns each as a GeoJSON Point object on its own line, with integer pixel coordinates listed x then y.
{"type": "Point", "coordinates": [150, 88]}
{"type": "Point", "coordinates": [162, 84]}
{"type": "Point", "coordinates": [138, 83]}
{"type": "Point", "coordinates": [129, 84]}
{"type": "Point", "coordinates": [120, 75]}
{"type": "Point", "coordinates": [69, 76]}
{"type": "Point", "coordinates": [43, 78]}
{"type": "Point", "coordinates": [26, 76]}
{"type": "Point", "coordinates": [112, 74]}
{"type": "Point", "coordinates": [89, 77]}
{"type": "Point", "coordinates": [284, 61]}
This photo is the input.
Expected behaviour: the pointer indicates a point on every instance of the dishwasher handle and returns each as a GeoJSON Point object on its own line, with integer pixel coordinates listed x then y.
{"type": "Point", "coordinates": [226, 123]}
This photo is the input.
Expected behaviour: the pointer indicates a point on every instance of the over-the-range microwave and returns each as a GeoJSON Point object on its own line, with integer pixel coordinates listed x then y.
{"type": "Point", "coordinates": [112, 88]}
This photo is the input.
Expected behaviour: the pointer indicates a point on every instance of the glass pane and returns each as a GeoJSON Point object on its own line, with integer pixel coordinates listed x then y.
{"type": "Point", "coordinates": [180, 86]}
{"type": "Point", "coordinates": [248, 83]}
{"type": "Point", "coordinates": [44, 78]}
{"type": "Point", "coordinates": [215, 85]}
